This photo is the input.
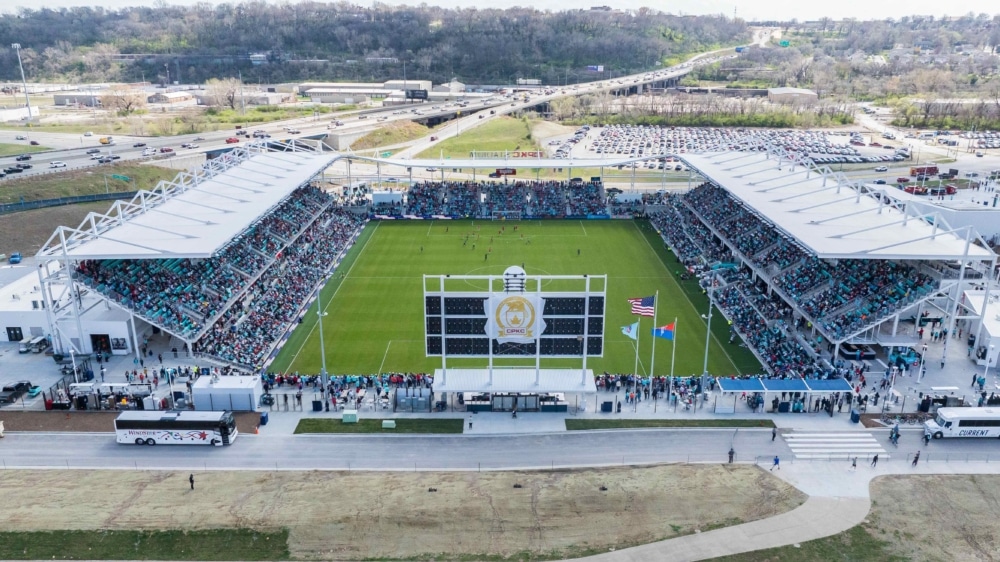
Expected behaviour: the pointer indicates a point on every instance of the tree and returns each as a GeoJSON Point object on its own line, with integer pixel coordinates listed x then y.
{"type": "Point", "coordinates": [223, 92]}
{"type": "Point", "coordinates": [123, 100]}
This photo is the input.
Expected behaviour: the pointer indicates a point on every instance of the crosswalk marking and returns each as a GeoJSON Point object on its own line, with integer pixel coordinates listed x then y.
{"type": "Point", "coordinates": [834, 445]}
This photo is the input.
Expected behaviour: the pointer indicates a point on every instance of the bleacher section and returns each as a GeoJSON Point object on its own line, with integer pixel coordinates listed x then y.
{"type": "Point", "coordinates": [298, 240]}
{"type": "Point", "coordinates": [534, 199]}
{"type": "Point", "coordinates": [839, 298]}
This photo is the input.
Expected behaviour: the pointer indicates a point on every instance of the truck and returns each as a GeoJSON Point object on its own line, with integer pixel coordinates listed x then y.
{"type": "Point", "coordinates": [923, 170]}
{"type": "Point", "coordinates": [107, 140]}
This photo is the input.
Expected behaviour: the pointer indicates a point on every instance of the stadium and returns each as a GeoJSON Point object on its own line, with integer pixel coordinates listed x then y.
{"type": "Point", "coordinates": [809, 269]}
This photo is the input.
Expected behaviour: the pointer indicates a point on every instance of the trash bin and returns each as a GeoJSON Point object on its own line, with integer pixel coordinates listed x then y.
{"type": "Point", "coordinates": [317, 405]}
{"type": "Point", "coordinates": [855, 416]}
{"type": "Point", "coordinates": [606, 407]}
{"type": "Point", "coordinates": [263, 418]}
{"type": "Point", "coordinates": [619, 407]}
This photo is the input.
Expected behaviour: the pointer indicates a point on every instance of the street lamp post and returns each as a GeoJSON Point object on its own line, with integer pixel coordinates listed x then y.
{"type": "Point", "coordinates": [986, 366]}
{"type": "Point", "coordinates": [24, 83]}
{"type": "Point", "coordinates": [72, 357]}
{"type": "Point", "coordinates": [923, 363]}
{"type": "Point", "coordinates": [322, 346]}
{"type": "Point", "coordinates": [708, 329]}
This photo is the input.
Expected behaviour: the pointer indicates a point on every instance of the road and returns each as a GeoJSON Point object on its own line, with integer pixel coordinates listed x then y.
{"type": "Point", "coordinates": [445, 452]}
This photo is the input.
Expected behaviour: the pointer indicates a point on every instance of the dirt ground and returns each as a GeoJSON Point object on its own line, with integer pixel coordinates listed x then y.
{"type": "Point", "coordinates": [14, 420]}
{"type": "Point", "coordinates": [395, 515]}
{"type": "Point", "coordinates": [937, 517]}
{"type": "Point", "coordinates": [26, 231]}
{"type": "Point", "coordinates": [542, 131]}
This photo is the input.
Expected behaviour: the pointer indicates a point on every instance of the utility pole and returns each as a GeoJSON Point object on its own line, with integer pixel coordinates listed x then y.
{"type": "Point", "coordinates": [24, 83]}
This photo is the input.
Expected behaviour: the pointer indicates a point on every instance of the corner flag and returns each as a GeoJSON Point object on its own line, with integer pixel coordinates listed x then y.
{"type": "Point", "coordinates": [632, 331]}
{"type": "Point", "coordinates": [665, 332]}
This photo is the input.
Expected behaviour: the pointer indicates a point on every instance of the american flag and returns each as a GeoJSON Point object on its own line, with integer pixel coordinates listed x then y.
{"type": "Point", "coordinates": [643, 306]}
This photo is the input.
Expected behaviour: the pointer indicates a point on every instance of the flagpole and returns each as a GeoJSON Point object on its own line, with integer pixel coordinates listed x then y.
{"type": "Point", "coordinates": [652, 359]}
{"type": "Point", "coordinates": [638, 330]}
{"type": "Point", "coordinates": [673, 354]}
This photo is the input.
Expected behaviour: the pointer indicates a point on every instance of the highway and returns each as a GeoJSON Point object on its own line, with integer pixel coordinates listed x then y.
{"type": "Point", "coordinates": [72, 148]}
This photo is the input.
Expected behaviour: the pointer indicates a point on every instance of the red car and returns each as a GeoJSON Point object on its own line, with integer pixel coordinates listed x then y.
{"type": "Point", "coordinates": [232, 140]}
{"type": "Point", "coordinates": [166, 149]}
{"type": "Point", "coordinates": [915, 189]}
{"type": "Point", "coordinates": [902, 180]}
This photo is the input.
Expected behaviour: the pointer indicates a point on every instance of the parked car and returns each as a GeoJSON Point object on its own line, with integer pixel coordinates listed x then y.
{"type": "Point", "coordinates": [57, 164]}
{"type": "Point", "coordinates": [12, 392]}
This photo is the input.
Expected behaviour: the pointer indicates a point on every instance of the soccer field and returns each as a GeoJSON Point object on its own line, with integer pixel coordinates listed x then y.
{"type": "Point", "coordinates": [374, 319]}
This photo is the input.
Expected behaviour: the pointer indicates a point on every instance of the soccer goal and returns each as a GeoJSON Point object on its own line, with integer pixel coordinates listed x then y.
{"type": "Point", "coordinates": [506, 215]}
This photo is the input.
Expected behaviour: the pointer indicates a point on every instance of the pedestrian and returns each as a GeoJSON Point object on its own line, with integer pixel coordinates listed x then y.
{"type": "Point", "coordinates": [160, 357]}
{"type": "Point", "coordinates": [578, 251]}
{"type": "Point", "coordinates": [916, 458]}
{"type": "Point", "coordinates": [774, 433]}
{"type": "Point", "coordinates": [927, 439]}
{"type": "Point", "coordinates": [191, 480]}
{"type": "Point", "coordinates": [777, 463]}
{"type": "Point", "coordinates": [1, 429]}
{"type": "Point", "coordinates": [732, 454]}
{"type": "Point", "coordinates": [974, 376]}
{"type": "Point", "coordinates": [854, 464]}
{"type": "Point", "coordinates": [874, 460]}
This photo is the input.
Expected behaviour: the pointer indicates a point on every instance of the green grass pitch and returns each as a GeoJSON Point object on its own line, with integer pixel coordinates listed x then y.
{"type": "Point", "coordinates": [374, 300]}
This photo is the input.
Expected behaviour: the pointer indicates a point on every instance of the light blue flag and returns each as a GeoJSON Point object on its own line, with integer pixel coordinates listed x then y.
{"type": "Point", "coordinates": [632, 331]}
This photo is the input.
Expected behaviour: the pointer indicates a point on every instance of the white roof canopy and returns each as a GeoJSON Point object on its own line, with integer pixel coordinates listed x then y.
{"type": "Point", "coordinates": [195, 214]}
{"type": "Point", "coordinates": [829, 214]}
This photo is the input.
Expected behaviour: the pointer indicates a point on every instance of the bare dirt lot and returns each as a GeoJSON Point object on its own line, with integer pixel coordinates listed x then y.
{"type": "Point", "coordinates": [26, 231]}
{"type": "Point", "coordinates": [353, 516]}
{"type": "Point", "coordinates": [937, 517]}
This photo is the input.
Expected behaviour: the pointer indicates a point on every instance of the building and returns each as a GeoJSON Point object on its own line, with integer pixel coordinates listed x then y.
{"type": "Point", "coordinates": [234, 393]}
{"type": "Point", "coordinates": [452, 87]}
{"type": "Point", "coordinates": [70, 99]}
{"type": "Point", "coordinates": [793, 96]}
{"type": "Point", "coordinates": [338, 95]}
{"type": "Point", "coordinates": [170, 97]}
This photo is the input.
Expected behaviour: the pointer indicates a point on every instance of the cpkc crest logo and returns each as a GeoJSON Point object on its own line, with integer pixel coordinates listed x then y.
{"type": "Point", "coordinates": [515, 317]}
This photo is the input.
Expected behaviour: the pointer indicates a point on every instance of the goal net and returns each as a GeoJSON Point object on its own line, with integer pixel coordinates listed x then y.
{"type": "Point", "coordinates": [506, 215]}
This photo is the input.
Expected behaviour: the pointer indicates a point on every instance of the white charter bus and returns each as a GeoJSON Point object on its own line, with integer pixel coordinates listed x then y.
{"type": "Point", "coordinates": [964, 422]}
{"type": "Point", "coordinates": [168, 427]}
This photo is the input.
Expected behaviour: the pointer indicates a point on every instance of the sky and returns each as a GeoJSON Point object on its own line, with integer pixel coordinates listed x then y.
{"type": "Point", "coordinates": [747, 9]}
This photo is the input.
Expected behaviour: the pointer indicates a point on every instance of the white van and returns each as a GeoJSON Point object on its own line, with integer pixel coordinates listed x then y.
{"type": "Point", "coordinates": [925, 136]}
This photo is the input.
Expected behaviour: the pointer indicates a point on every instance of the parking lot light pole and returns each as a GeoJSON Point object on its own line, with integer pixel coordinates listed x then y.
{"type": "Point", "coordinates": [322, 344]}
{"type": "Point", "coordinates": [24, 83]}
{"type": "Point", "coordinates": [923, 363]}
{"type": "Point", "coordinates": [72, 357]}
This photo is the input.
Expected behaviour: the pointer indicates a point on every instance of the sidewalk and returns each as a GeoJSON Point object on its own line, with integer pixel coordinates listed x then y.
{"type": "Point", "coordinates": [838, 500]}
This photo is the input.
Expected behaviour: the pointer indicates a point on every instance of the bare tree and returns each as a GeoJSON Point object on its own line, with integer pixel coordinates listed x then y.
{"type": "Point", "coordinates": [224, 92]}
{"type": "Point", "coordinates": [123, 100]}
